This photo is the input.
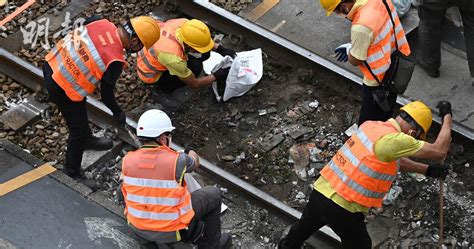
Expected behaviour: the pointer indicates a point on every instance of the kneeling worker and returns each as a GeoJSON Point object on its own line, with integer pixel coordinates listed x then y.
{"type": "Point", "coordinates": [362, 171]}
{"type": "Point", "coordinates": [158, 205]}
{"type": "Point", "coordinates": [176, 60]}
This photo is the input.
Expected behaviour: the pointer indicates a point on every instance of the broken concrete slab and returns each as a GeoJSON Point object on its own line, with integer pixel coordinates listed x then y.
{"type": "Point", "coordinates": [23, 114]}
{"type": "Point", "coordinates": [298, 131]}
{"type": "Point", "coordinates": [270, 141]}
{"type": "Point", "coordinates": [92, 158]}
{"type": "Point", "coordinates": [379, 229]}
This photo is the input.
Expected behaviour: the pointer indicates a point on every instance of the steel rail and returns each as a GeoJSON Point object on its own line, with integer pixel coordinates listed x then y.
{"type": "Point", "coordinates": [32, 77]}
{"type": "Point", "coordinates": [279, 47]}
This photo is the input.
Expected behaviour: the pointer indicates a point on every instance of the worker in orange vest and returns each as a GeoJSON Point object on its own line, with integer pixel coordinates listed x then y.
{"type": "Point", "coordinates": [175, 61]}
{"type": "Point", "coordinates": [158, 205]}
{"type": "Point", "coordinates": [361, 173]}
{"type": "Point", "coordinates": [372, 43]}
{"type": "Point", "coordinates": [88, 56]}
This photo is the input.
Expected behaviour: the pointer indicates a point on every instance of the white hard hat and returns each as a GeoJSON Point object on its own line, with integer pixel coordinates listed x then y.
{"type": "Point", "coordinates": [153, 123]}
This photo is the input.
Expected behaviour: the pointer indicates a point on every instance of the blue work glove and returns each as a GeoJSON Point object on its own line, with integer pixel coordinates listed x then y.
{"type": "Point", "coordinates": [342, 52]}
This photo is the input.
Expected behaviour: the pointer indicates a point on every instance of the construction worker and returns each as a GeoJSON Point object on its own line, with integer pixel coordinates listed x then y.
{"type": "Point", "coordinates": [92, 54]}
{"type": "Point", "coordinates": [431, 15]}
{"type": "Point", "coordinates": [158, 205]}
{"type": "Point", "coordinates": [372, 38]}
{"type": "Point", "coordinates": [361, 173]}
{"type": "Point", "coordinates": [175, 61]}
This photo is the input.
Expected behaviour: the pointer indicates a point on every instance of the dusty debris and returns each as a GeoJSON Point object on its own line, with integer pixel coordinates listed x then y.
{"type": "Point", "coordinates": [232, 5]}
{"type": "Point", "coordinates": [299, 153]}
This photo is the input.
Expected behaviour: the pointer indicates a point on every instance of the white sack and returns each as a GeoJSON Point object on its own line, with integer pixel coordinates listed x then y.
{"type": "Point", "coordinates": [245, 72]}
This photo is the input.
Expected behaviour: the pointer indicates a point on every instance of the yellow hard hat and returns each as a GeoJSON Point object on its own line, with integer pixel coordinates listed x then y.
{"type": "Point", "coordinates": [421, 113]}
{"type": "Point", "coordinates": [196, 34]}
{"type": "Point", "coordinates": [147, 30]}
{"type": "Point", "coordinates": [329, 5]}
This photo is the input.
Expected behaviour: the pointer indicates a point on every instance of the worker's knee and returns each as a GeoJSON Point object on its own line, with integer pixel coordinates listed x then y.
{"type": "Point", "coordinates": [213, 195]}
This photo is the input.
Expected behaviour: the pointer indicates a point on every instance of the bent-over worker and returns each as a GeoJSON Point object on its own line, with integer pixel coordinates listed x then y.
{"type": "Point", "coordinates": [175, 61]}
{"type": "Point", "coordinates": [89, 56]}
{"type": "Point", "coordinates": [361, 173]}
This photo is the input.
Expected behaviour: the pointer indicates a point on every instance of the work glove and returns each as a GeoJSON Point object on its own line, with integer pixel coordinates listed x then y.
{"type": "Point", "coordinates": [120, 118]}
{"type": "Point", "coordinates": [342, 52]}
{"type": "Point", "coordinates": [221, 75]}
{"type": "Point", "coordinates": [444, 107]}
{"type": "Point", "coordinates": [437, 170]}
{"type": "Point", "coordinates": [225, 51]}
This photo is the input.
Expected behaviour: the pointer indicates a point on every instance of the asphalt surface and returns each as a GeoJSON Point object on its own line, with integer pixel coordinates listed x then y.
{"type": "Point", "coordinates": [48, 214]}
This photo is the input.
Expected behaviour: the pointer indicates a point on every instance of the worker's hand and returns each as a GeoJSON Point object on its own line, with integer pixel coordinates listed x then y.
{"type": "Point", "coordinates": [437, 170]}
{"type": "Point", "coordinates": [225, 51]}
{"type": "Point", "coordinates": [342, 52]}
{"type": "Point", "coordinates": [121, 119]}
{"type": "Point", "coordinates": [221, 75]}
{"type": "Point", "coordinates": [444, 107]}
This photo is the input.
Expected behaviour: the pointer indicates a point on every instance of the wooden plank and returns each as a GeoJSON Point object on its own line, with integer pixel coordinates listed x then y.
{"type": "Point", "coordinates": [261, 9]}
{"type": "Point", "coordinates": [26, 178]}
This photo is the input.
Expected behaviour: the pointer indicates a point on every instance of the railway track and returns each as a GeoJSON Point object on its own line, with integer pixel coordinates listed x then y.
{"type": "Point", "coordinates": [31, 77]}
{"type": "Point", "coordinates": [277, 46]}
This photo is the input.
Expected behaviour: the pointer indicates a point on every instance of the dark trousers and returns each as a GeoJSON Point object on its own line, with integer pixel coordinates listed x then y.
{"type": "Point", "coordinates": [430, 35]}
{"type": "Point", "coordinates": [75, 114]}
{"type": "Point", "coordinates": [322, 211]}
{"type": "Point", "coordinates": [206, 204]}
{"type": "Point", "coordinates": [207, 207]}
{"type": "Point", "coordinates": [370, 110]}
{"type": "Point", "coordinates": [168, 83]}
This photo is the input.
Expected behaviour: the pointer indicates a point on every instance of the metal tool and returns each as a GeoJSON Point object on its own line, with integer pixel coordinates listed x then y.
{"type": "Point", "coordinates": [134, 137]}
{"type": "Point", "coordinates": [441, 213]}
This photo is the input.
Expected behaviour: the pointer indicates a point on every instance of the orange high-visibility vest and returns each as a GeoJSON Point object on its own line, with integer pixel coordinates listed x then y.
{"type": "Point", "coordinates": [375, 16]}
{"type": "Point", "coordinates": [80, 59]}
{"type": "Point", "coordinates": [154, 200]}
{"type": "Point", "coordinates": [355, 173]}
{"type": "Point", "coordinates": [149, 68]}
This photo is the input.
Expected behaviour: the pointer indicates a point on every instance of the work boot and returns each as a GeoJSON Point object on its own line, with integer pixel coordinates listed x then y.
{"type": "Point", "coordinates": [70, 172]}
{"type": "Point", "coordinates": [282, 244]}
{"type": "Point", "coordinates": [432, 72]}
{"type": "Point", "coordinates": [98, 143]}
{"type": "Point", "coordinates": [90, 183]}
{"type": "Point", "coordinates": [225, 241]}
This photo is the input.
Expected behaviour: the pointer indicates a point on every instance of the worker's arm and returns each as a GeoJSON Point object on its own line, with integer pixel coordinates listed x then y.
{"type": "Point", "coordinates": [354, 61]}
{"type": "Point", "coordinates": [439, 149]}
{"type": "Point", "coordinates": [107, 87]}
{"type": "Point", "coordinates": [407, 165]}
{"type": "Point", "coordinates": [195, 158]}
{"type": "Point", "coordinates": [361, 39]}
{"type": "Point", "coordinates": [194, 82]}
{"type": "Point", "coordinates": [186, 163]}
{"type": "Point", "coordinates": [179, 68]}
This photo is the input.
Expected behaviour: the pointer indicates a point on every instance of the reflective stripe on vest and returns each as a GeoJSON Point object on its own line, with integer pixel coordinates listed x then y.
{"type": "Point", "coordinates": [355, 173]}
{"type": "Point", "coordinates": [81, 58]}
{"type": "Point", "coordinates": [149, 68]}
{"type": "Point", "coordinates": [154, 200]}
{"type": "Point", "coordinates": [140, 182]}
{"type": "Point", "coordinates": [378, 54]}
